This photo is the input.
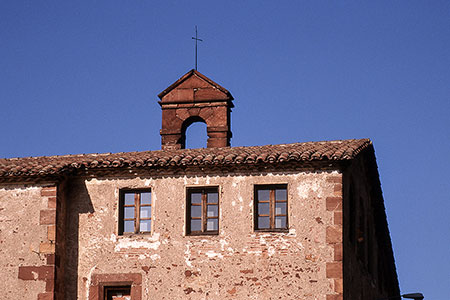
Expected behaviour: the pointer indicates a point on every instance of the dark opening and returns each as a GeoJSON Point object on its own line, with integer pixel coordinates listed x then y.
{"type": "Point", "coordinates": [118, 293]}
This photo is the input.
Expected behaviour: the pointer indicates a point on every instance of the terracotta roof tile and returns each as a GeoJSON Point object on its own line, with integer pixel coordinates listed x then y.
{"type": "Point", "coordinates": [270, 154]}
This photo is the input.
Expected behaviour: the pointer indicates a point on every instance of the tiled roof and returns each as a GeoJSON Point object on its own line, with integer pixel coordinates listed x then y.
{"type": "Point", "coordinates": [270, 154]}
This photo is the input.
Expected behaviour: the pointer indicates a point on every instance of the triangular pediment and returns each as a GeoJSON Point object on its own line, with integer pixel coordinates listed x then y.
{"type": "Point", "coordinates": [193, 87]}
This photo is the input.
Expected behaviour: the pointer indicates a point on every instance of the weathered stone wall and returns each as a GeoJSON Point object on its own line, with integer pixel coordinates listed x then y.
{"type": "Point", "coordinates": [26, 240]}
{"type": "Point", "coordinates": [236, 264]}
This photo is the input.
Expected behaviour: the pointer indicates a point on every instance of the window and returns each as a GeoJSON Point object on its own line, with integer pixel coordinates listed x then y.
{"type": "Point", "coordinates": [271, 207]}
{"type": "Point", "coordinates": [202, 211]}
{"type": "Point", "coordinates": [135, 211]}
{"type": "Point", "coordinates": [122, 286]}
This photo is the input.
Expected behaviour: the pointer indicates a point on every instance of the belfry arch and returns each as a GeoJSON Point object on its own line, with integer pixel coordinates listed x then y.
{"type": "Point", "coordinates": [186, 124]}
{"type": "Point", "coordinates": [195, 98]}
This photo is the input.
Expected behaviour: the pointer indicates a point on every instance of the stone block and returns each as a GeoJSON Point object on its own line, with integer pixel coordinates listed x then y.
{"type": "Point", "coordinates": [338, 218]}
{"type": "Point", "coordinates": [51, 232]}
{"type": "Point", "coordinates": [334, 234]}
{"type": "Point", "coordinates": [48, 191]}
{"type": "Point", "coordinates": [334, 179]}
{"type": "Point", "coordinates": [47, 217]}
{"type": "Point", "coordinates": [45, 296]}
{"type": "Point", "coordinates": [334, 270]}
{"type": "Point", "coordinates": [338, 252]}
{"type": "Point", "coordinates": [51, 202]}
{"type": "Point", "coordinates": [335, 297]}
{"type": "Point", "coordinates": [47, 248]}
{"type": "Point", "coordinates": [28, 273]}
{"type": "Point", "coordinates": [334, 203]}
{"type": "Point", "coordinates": [339, 285]}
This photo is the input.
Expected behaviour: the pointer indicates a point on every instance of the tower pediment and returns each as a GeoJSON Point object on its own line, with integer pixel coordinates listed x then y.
{"type": "Point", "coordinates": [194, 87]}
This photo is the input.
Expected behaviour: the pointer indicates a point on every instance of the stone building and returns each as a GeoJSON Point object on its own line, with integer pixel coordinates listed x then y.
{"type": "Point", "coordinates": [291, 221]}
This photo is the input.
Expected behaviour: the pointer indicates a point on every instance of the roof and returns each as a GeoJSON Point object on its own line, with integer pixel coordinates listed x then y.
{"type": "Point", "coordinates": [256, 155]}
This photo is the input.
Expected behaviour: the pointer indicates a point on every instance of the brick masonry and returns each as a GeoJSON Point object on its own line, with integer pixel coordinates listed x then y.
{"type": "Point", "coordinates": [334, 238]}
{"type": "Point", "coordinates": [195, 98]}
{"type": "Point", "coordinates": [47, 272]}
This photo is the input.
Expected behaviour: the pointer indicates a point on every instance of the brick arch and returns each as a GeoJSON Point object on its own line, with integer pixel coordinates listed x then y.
{"type": "Point", "coordinates": [195, 98]}
{"type": "Point", "coordinates": [186, 123]}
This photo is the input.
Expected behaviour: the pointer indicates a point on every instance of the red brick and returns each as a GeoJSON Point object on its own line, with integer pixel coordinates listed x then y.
{"type": "Point", "coordinates": [47, 248]}
{"type": "Point", "coordinates": [334, 234]}
{"type": "Point", "coordinates": [51, 232]}
{"type": "Point", "coordinates": [47, 217]}
{"type": "Point", "coordinates": [51, 258]}
{"type": "Point", "coordinates": [339, 285]}
{"type": "Point", "coordinates": [46, 272]}
{"type": "Point", "coordinates": [45, 296]}
{"type": "Point", "coordinates": [36, 272]}
{"type": "Point", "coordinates": [334, 270]}
{"type": "Point", "coordinates": [338, 188]}
{"type": "Point", "coordinates": [334, 203]}
{"type": "Point", "coordinates": [49, 191]}
{"type": "Point", "coordinates": [335, 297]}
{"type": "Point", "coordinates": [338, 253]}
{"type": "Point", "coordinates": [51, 202]}
{"type": "Point", "coordinates": [28, 273]}
{"type": "Point", "coordinates": [338, 218]}
{"type": "Point", "coordinates": [334, 179]}
{"type": "Point", "coordinates": [50, 285]}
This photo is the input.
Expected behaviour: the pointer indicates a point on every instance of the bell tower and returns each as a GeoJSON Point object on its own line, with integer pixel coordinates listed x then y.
{"type": "Point", "coordinates": [195, 98]}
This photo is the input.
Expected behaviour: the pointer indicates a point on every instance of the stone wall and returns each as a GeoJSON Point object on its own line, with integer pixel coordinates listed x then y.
{"type": "Point", "coordinates": [27, 241]}
{"type": "Point", "coordinates": [238, 263]}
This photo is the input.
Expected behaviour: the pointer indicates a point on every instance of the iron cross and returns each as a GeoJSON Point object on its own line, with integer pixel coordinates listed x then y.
{"type": "Point", "coordinates": [196, 39]}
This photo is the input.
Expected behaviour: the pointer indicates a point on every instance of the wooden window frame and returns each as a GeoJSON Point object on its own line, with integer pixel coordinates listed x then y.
{"type": "Point", "coordinates": [204, 211]}
{"type": "Point", "coordinates": [137, 211]}
{"type": "Point", "coordinates": [271, 201]}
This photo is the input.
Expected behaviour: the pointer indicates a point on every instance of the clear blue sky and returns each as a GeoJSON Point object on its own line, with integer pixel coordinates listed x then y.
{"type": "Point", "coordinates": [83, 76]}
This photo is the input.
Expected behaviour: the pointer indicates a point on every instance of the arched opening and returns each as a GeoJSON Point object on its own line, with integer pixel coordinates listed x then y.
{"type": "Point", "coordinates": [194, 133]}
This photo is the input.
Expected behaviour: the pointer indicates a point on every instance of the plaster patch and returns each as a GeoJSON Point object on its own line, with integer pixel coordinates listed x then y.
{"type": "Point", "coordinates": [256, 252]}
{"type": "Point", "coordinates": [271, 251]}
{"type": "Point", "coordinates": [155, 257]}
{"type": "Point", "coordinates": [310, 186]}
{"type": "Point", "coordinates": [113, 238]}
{"type": "Point", "coordinates": [147, 182]}
{"type": "Point", "coordinates": [212, 254]}
{"type": "Point", "coordinates": [233, 203]}
{"type": "Point", "coordinates": [237, 180]}
{"type": "Point", "coordinates": [292, 232]}
{"type": "Point", "coordinates": [35, 275]}
{"type": "Point", "coordinates": [128, 243]}
{"type": "Point", "coordinates": [88, 281]}
{"type": "Point", "coordinates": [223, 243]}
{"type": "Point", "coordinates": [187, 256]}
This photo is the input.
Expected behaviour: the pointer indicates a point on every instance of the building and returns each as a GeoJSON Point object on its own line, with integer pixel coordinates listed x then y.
{"type": "Point", "coordinates": [292, 221]}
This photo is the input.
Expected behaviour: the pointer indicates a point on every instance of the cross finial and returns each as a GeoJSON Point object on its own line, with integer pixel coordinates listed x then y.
{"type": "Point", "coordinates": [196, 39]}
